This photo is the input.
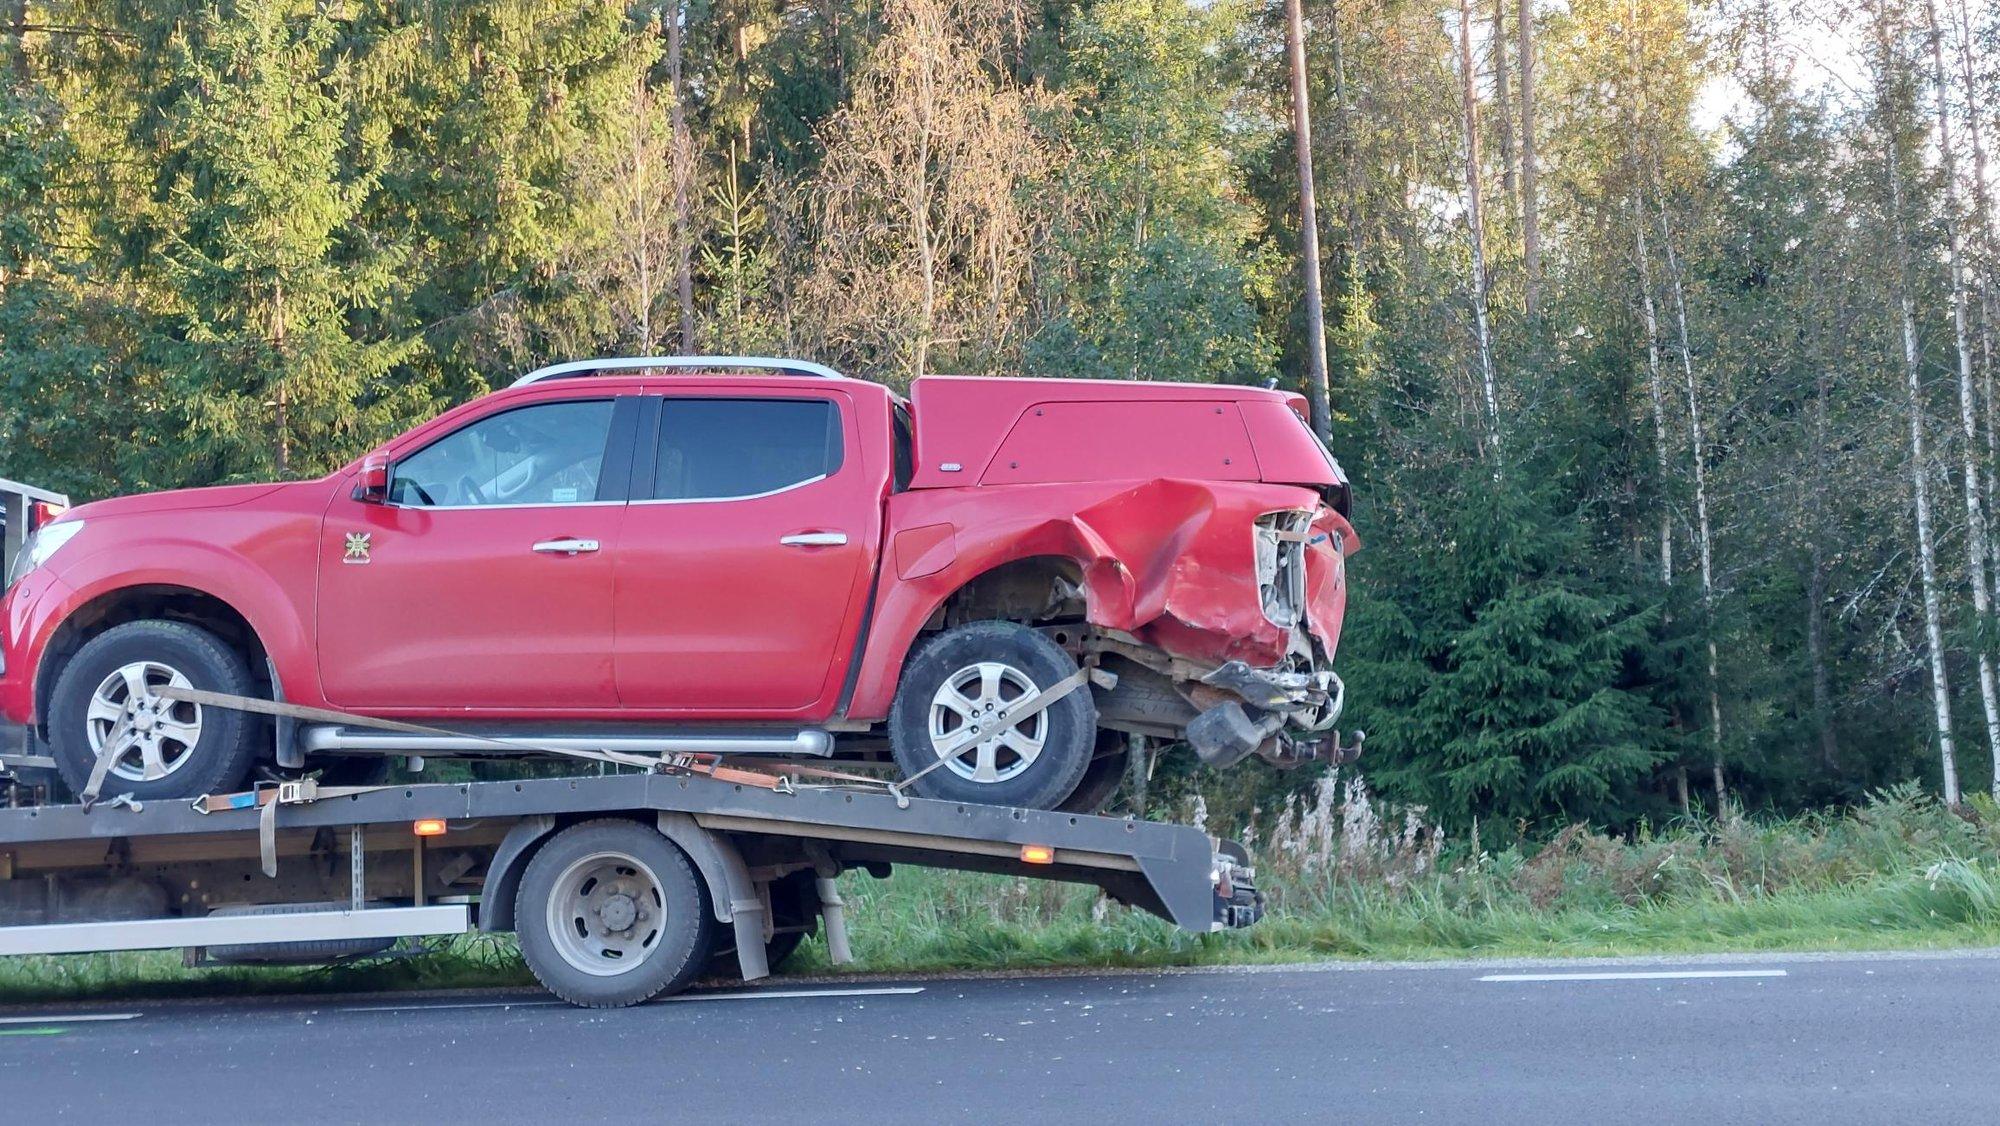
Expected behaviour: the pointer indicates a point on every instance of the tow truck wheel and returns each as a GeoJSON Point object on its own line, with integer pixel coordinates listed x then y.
{"type": "Point", "coordinates": [949, 724]}
{"type": "Point", "coordinates": [610, 913]}
{"type": "Point", "coordinates": [104, 703]}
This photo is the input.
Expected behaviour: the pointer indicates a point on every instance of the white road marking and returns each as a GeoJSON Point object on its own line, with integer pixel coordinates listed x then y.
{"type": "Point", "coordinates": [738, 995]}
{"type": "Point", "coordinates": [446, 1005]}
{"type": "Point", "coordinates": [76, 1018]}
{"type": "Point", "coordinates": [1634, 975]}
{"type": "Point", "coordinates": [759, 995]}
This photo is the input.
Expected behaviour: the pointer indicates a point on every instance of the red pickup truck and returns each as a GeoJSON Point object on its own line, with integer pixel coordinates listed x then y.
{"type": "Point", "coordinates": [990, 583]}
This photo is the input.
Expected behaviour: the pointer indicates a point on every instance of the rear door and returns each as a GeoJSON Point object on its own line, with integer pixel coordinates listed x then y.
{"type": "Point", "coordinates": [485, 583]}
{"type": "Point", "coordinates": [744, 564]}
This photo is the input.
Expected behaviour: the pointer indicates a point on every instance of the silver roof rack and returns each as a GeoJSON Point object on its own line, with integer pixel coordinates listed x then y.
{"type": "Point", "coordinates": [684, 363]}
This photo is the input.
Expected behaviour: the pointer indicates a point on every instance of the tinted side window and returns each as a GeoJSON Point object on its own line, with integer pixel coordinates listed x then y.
{"type": "Point", "coordinates": [718, 449]}
{"type": "Point", "coordinates": [551, 453]}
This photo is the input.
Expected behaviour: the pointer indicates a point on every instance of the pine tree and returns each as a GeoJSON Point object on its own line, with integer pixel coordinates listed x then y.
{"type": "Point", "coordinates": [1496, 677]}
{"type": "Point", "coordinates": [258, 263]}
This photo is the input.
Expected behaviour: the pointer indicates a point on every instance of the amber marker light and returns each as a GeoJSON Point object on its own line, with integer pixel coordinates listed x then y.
{"type": "Point", "coordinates": [1038, 854]}
{"type": "Point", "coordinates": [430, 827]}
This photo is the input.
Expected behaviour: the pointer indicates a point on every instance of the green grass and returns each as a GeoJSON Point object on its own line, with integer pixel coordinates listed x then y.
{"type": "Point", "coordinates": [1344, 883]}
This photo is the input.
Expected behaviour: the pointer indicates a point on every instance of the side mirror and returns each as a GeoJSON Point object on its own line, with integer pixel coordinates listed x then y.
{"type": "Point", "coordinates": [371, 485]}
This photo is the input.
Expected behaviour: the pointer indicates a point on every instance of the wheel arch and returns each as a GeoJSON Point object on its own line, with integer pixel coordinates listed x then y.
{"type": "Point", "coordinates": [979, 588]}
{"type": "Point", "coordinates": [164, 601]}
{"type": "Point", "coordinates": [717, 862]}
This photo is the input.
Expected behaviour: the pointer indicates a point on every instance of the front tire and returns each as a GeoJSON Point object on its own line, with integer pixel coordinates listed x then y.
{"type": "Point", "coordinates": [961, 680]}
{"type": "Point", "coordinates": [163, 749]}
{"type": "Point", "coordinates": [610, 913]}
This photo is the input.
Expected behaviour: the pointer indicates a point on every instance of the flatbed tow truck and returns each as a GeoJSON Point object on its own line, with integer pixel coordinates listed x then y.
{"type": "Point", "coordinates": [622, 885]}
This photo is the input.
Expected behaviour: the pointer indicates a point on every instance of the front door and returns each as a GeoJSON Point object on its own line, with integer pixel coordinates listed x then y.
{"type": "Point", "coordinates": [743, 569]}
{"type": "Point", "coordinates": [486, 581]}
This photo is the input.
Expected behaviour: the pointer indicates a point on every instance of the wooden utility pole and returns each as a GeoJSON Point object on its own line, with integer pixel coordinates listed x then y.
{"type": "Point", "coordinates": [1318, 386]}
{"type": "Point", "coordinates": [683, 173]}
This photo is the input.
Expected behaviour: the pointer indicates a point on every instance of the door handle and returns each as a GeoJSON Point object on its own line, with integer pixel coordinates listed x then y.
{"type": "Point", "coordinates": [566, 547]}
{"type": "Point", "coordinates": [816, 539]}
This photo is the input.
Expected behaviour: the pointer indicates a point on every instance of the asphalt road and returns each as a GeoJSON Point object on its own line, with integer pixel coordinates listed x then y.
{"type": "Point", "coordinates": [1895, 1039]}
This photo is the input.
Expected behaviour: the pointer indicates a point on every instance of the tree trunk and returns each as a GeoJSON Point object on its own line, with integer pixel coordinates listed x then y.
{"type": "Point", "coordinates": [282, 400]}
{"type": "Point", "coordinates": [1503, 104]}
{"type": "Point", "coordinates": [17, 20]}
{"type": "Point", "coordinates": [1531, 229]}
{"type": "Point", "coordinates": [1976, 547]}
{"type": "Point", "coordinates": [1138, 773]}
{"type": "Point", "coordinates": [683, 173]}
{"type": "Point", "coordinates": [641, 218]}
{"type": "Point", "coordinates": [1822, 680]}
{"type": "Point", "coordinates": [1704, 535]}
{"type": "Point", "coordinates": [1655, 385]}
{"type": "Point", "coordinates": [1318, 385]}
{"type": "Point", "coordinates": [1476, 226]}
{"type": "Point", "coordinates": [1987, 244]}
{"type": "Point", "coordinates": [1919, 464]}
{"type": "Point", "coordinates": [1816, 525]}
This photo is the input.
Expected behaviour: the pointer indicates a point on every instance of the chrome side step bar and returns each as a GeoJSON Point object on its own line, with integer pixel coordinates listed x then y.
{"type": "Point", "coordinates": [331, 738]}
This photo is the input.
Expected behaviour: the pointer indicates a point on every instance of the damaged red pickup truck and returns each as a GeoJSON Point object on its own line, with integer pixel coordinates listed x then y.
{"type": "Point", "coordinates": [991, 583]}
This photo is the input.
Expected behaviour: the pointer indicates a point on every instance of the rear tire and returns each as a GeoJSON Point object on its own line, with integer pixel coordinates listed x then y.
{"type": "Point", "coordinates": [966, 675]}
{"type": "Point", "coordinates": [175, 750]}
{"type": "Point", "coordinates": [610, 913]}
{"type": "Point", "coordinates": [1105, 775]}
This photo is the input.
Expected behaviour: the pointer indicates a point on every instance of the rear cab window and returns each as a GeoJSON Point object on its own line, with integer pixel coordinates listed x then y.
{"type": "Point", "coordinates": [713, 449]}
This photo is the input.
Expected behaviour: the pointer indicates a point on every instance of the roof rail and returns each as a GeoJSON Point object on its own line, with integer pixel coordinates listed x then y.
{"type": "Point", "coordinates": [697, 363]}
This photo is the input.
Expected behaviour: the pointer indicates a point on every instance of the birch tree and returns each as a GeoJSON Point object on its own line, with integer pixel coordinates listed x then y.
{"type": "Point", "coordinates": [1987, 240]}
{"type": "Point", "coordinates": [1704, 530]}
{"type": "Point", "coordinates": [1976, 546]}
{"type": "Point", "coordinates": [1888, 81]}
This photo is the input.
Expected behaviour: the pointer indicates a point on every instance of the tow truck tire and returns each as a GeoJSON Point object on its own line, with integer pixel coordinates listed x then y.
{"type": "Point", "coordinates": [202, 750]}
{"type": "Point", "coordinates": [610, 913]}
{"type": "Point", "coordinates": [944, 678]}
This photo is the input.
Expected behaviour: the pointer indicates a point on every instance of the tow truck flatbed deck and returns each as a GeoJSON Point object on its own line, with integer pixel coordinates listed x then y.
{"type": "Point", "coordinates": [345, 866]}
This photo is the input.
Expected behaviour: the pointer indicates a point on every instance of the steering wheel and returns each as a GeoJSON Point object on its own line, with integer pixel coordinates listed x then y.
{"type": "Point", "coordinates": [423, 494]}
{"type": "Point", "coordinates": [470, 488]}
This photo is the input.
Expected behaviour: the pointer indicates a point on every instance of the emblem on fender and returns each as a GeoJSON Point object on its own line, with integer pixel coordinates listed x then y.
{"type": "Point", "coordinates": [358, 544]}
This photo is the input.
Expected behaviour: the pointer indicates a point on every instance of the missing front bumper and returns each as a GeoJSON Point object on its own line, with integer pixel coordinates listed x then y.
{"type": "Point", "coordinates": [1287, 718]}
